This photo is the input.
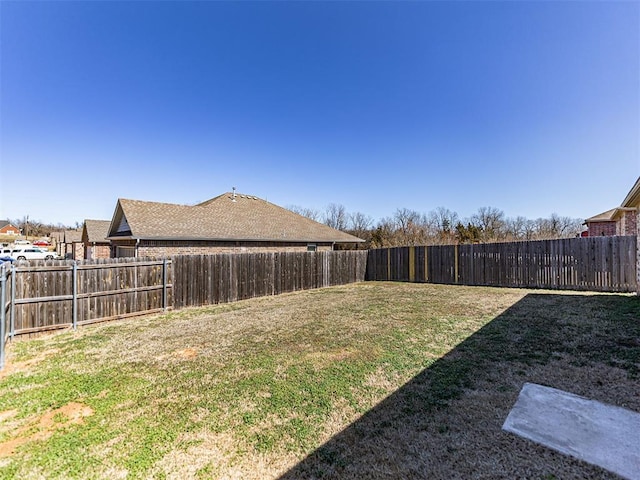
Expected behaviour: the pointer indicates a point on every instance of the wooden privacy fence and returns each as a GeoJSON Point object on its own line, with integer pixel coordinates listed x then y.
{"type": "Point", "coordinates": [605, 264]}
{"type": "Point", "coordinates": [59, 294]}
{"type": "Point", "coordinates": [210, 279]}
{"type": "Point", "coordinates": [49, 295]}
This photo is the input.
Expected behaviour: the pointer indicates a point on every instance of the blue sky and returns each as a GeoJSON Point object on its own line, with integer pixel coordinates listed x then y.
{"type": "Point", "coordinates": [530, 107]}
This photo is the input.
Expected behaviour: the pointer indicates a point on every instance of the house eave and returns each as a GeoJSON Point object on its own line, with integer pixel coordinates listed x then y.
{"type": "Point", "coordinates": [633, 197]}
{"type": "Point", "coordinates": [235, 239]}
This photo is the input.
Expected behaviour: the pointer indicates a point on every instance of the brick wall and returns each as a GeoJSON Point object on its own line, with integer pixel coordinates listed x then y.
{"type": "Point", "coordinates": [637, 215]}
{"type": "Point", "coordinates": [9, 230]}
{"type": "Point", "coordinates": [78, 251]}
{"type": "Point", "coordinates": [99, 251]}
{"type": "Point", "coordinates": [597, 229]}
{"type": "Point", "coordinates": [628, 224]}
{"type": "Point", "coordinates": [162, 249]}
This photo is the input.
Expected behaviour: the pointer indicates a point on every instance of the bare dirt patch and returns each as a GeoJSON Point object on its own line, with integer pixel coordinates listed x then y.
{"type": "Point", "coordinates": [7, 414]}
{"type": "Point", "coordinates": [186, 353]}
{"type": "Point", "coordinates": [23, 366]}
{"type": "Point", "coordinates": [43, 427]}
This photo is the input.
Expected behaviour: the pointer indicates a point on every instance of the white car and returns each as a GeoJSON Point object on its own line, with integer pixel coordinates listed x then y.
{"type": "Point", "coordinates": [32, 253]}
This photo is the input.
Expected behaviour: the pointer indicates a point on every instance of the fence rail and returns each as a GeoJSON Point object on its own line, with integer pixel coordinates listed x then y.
{"type": "Point", "coordinates": [605, 264]}
{"type": "Point", "coordinates": [56, 294]}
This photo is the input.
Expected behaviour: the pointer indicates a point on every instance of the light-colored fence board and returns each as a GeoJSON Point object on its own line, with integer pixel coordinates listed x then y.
{"type": "Point", "coordinates": [605, 264]}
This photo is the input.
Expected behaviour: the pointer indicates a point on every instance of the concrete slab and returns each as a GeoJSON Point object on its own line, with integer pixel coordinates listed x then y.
{"type": "Point", "coordinates": [597, 433]}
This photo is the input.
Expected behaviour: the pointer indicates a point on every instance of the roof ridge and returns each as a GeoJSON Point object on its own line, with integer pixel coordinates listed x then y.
{"type": "Point", "coordinates": [239, 217]}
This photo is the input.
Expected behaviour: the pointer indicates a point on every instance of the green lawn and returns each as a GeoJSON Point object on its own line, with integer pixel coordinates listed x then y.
{"type": "Point", "coordinates": [376, 380]}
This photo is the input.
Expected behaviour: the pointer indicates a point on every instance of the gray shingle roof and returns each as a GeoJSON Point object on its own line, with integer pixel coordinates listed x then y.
{"type": "Point", "coordinates": [72, 236]}
{"type": "Point", "coordinates": [633, 197]}
{"type": "Point", "coordinates": [97, 230]}
{"type": "Point", "coordinates": [243, 217]}
{"type": "Point", "coordinates": [603, 217]}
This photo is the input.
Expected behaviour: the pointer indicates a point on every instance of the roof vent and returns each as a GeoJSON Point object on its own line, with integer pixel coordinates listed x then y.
{"type": "Point", "coordinates": [233, 196]}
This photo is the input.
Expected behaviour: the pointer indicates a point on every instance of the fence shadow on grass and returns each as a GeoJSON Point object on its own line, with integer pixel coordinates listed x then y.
{"type": "Point", "coordinates": [446, 421]}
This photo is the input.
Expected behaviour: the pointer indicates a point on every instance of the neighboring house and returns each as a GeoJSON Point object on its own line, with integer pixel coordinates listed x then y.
{"type": "Point", "coordinates": [73, 247]}
{"type": "Point", "coordinates": [231, 222]}
{"type": "Point", "coordinates": [602, 224]}
{"type": "Point", "coordinates": [625, 220]}
{"type": "Point", "coordinates": [94, 239]}
{"type": "Point", "coordinates": [622, 220]}
{"type": "Point", "coordinates": [7, 228]}
{"type": "Point", "coordinates": [628, 212]}
{"type": "Point", "coordinates": [58, 242]}
{"type": "Point", "coordinates": [632, 203]}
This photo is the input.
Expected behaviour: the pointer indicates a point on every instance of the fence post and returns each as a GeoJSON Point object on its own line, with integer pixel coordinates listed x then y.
{"type": "Point", "coordinates": [426, 264]}
{"type": "Point", "coordinates": [412, 264]}
{"type": "Point", "coordinates": [3, 313]}
{"type": "Point", "coordinates": [74, 289]}
{"type": "Point", "coordinates": [456, 265]}
{"type": "Point", "coordinates": [12, 309]}
{"type": "Point", "coordinates": [388, 264]}
{"type": "Point", "coordinates": [164, 284]}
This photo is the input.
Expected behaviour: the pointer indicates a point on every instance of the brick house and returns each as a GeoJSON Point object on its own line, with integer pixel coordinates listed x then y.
{"type": "Point", "coordinates": [231, 222]}
{"type": "Point", "coordinates": [7, 228]}
{"type": "Point", "coordinates": [631, 206]}
{"type": "Point", "coordinates": [94, 239]}
{"type": "Point", "coordinates": [602, 224]}
{"type": "Point", "coordinates": [73, 247]}
{"type": "Point", "coordinates": [58, 242]}
{"type": "Point", "coordinates": [622, 220]}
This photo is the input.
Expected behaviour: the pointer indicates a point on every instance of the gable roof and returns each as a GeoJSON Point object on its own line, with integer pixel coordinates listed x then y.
{"type": "Point", "coordinates": [633, 197]}
{"type": "Point", "coordinates": [630, 203]}
{"type": "Point", "coordinates": [72, 236]}
{"type": "Point", "coordinates": [4, 223]}
{"type": "Point", "coordinates": [96, 231]}
{"type": "Point", "coordinates": [607, 216]}
{"type": "Point", "coordinates": [228, 217]}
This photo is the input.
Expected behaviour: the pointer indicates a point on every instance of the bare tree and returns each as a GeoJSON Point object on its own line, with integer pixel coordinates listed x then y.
{"type": "Point", "coordinates": [311, 213]}
{"type": "Point", "coordinates": [557, 227]}
{"type": "Point", "coordinates": [359, 223]}
{"type": "Point", "coordinates": [515, 228]}
{"type": "Point", "coordinates": [441, 226]}
{"type": "Point", "coordinates": [443, 222]}
{"type": "Point", "coordinates": [565, 226]}
{"type": "Point", "coordinates": [529, 230]}
{"type": "Point", "coordinates": [412, 227]}
{"type": "Point", "coordinates": [335, 216]}
{"type": "Point", "coordinates": [490, 221]}
{"type": "Point", "coordinates": [384, 235]}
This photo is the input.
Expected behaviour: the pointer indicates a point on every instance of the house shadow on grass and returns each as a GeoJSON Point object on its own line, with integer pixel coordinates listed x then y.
{"type": "Point", "coordinates": [446, 422]}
